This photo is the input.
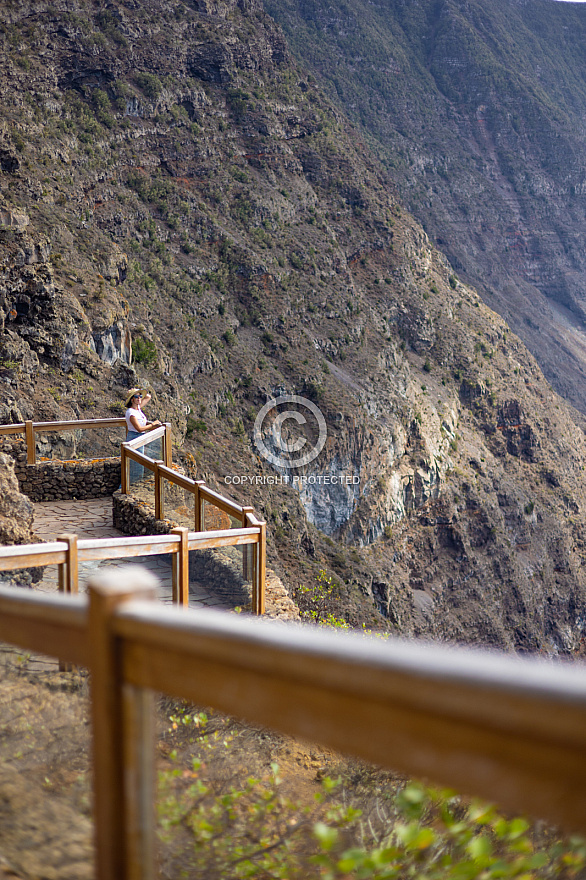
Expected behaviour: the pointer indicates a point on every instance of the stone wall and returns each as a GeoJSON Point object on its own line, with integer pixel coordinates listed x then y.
{"type": "Point", "coordinates": [62, 480]}
{"type": "Point", "coordinates": [134, 517]}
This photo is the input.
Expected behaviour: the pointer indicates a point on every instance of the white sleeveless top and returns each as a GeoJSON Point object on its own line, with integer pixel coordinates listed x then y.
{"type": "Point", "coordinates": [140, 418]}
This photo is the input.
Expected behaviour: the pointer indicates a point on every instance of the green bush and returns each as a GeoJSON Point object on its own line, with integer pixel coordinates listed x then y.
{"type": "Point", "coordinates": [150, 84]}
{"type": "Point", "coordinates": [195, 425]}
{"type": "Point", "coordinates": [320, 602]}
{"type": "Point", "coordinates": [144, 351]}
{"type": "Point", "coordinates": [237, 101]}
{"type": "Point", "coordinates": [220, 823]}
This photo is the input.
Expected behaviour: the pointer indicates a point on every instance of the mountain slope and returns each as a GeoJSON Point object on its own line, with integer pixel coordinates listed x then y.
{"type": "Point", "coordinates": [478, 111]}
{"type": "Point", "coordinates": [177, 192]}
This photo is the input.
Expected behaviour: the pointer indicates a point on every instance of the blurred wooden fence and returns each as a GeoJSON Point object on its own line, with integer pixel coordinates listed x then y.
{"type": "Point", "coordinates": [505, 728]}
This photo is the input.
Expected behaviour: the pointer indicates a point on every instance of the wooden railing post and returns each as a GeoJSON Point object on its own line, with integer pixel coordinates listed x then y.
{"type": "Point", "coordinates": [253, 574]}
{"type": "Point", "coordinates": [246, 547]}
{"type": "Point", "coordinates": [69, 571]}
{"type": "Point", "coordinates": [124, 470]}
{"type": "Point", "coordinates": [31, 451]}
{"type": "Point", "coordinates": [167, 448]}
{"type": "Point", "coordinates": [123, 738]}
{"type": "Point", "coordinates": [261, 569]}
{"type": "Point", "coordinates": [69, 578]}
{"type": "Point", "coordinates": [159, 492]}
{"type": "Point", "coordinates": [199, 515]}
{"type": "Point", "coordinates": [180, 568]}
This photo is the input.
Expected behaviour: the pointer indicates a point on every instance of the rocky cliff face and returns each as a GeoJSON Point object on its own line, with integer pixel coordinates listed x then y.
{"type": "Point", "coordinates": [185, 210]}
{"type": "Point", "coordinates": [477, 111]}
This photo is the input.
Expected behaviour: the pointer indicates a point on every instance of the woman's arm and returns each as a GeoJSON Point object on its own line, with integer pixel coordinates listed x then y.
{"type": "Point", "coordinates": [150, 426]}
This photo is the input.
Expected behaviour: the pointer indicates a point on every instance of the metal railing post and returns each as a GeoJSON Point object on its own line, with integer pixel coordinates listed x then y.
{"type": "Point", "coordinates": [123, 740]}
{"type": "Point", "coordinates": [31, 451]}
{"type": "Point", "coordinates": [180, 569]}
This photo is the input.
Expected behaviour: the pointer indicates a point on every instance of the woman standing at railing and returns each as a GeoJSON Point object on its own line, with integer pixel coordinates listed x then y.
{"type": "Point", "coordinates": [136, 424]}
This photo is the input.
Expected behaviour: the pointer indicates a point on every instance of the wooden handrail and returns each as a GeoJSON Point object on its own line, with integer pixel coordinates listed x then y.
{"type": "Point", "coordinates": [255, 567]}
{"type": "Point", "coordinates": [42, 427]}
{"type": "Point", "coordinates": [17, 428]}
{"type": "Point", "coordinates": [145, 438]}
{"type": "Point", "coordinates": [51, 624]}
{"type": "Point", "coordinates": [139, 457]}
{"type": "Point", "coordinates": [91, 549]}
{"type": "Point", "coordinates": [68, 552]}
{"type": "Point", "coordinates": [31, 555]}
{"type": "Point", "coordinates": [30, 428]}
{"type": "Point", "coordinates": [178, 479]}
{"type": "Point", "coordinates": [229, 507]}
{"type": "Point", "coordinates": [505, 728]}
{"type": "Point", "coordinates": [223, 538]}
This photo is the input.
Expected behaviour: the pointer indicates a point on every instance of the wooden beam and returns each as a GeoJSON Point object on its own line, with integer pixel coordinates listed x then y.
{"type": "Point", "coordinates": [79, 423]}
{"type": "Point", "coordinates": [138, 746]}
{"type": "Point", "coordinates": [159, 493]}
{"type": "Point", "coordinates": [199, 512]}
{"type": "Point", "coordinates": [123, 820]}
{"type": "Point", "coordinates": [50, 624]}
{"type": "Point", "coordinates": [31, 555]}
{"type": "Point", "coordinates": [71, 568]}
{"type": "Point", "coordinates": [179, 479]}
{"type": "Point", "coordinates": [180, 570]}
{"type": "Point", "coordinates": [503, 728]}
{"type": "Point", "coordinates": [261, 571]}
{"type": "Point", "coordinates": [246, 552]}
{"type": "Point", "coordinates": [31, 452]}
{"type": "Point", "coordinates": [223, 538]}
{"type": "Point", "coordinates": [13, 429]}
{"type": "Point", "coordinates": [167, 445]}
{"type": "Point", "coordinates": [144, 460]}
{"type": "Point", "coordinates": [229, 507]}
{"type": "Point", "coordinates": [127, 547]}
{"type": "Point", "coordinates": [124, 470]}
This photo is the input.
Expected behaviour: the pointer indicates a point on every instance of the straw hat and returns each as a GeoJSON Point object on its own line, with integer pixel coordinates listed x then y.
{"type": "Point", "coordinates": [131, 394]}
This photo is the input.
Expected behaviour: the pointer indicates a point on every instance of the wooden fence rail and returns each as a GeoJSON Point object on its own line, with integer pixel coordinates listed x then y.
{"type": "Point", "coordinates": [201, 493]}
{"type": "Point", "coordinates": [68, 552]}
{"type": "Point", "coordinates": [254, 566]}
{"type": "Point", "coordinates": [30, 429]}
{"type": "Point", "coordinates": [505, 728]}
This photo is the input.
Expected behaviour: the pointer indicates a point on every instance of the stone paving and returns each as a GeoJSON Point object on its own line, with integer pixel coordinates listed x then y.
{"type": "Point", "coordinates": [92, 518]}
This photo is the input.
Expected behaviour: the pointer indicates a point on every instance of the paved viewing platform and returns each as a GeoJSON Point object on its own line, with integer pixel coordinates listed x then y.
{"type": "Point", "coordinates": [92, 518]}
